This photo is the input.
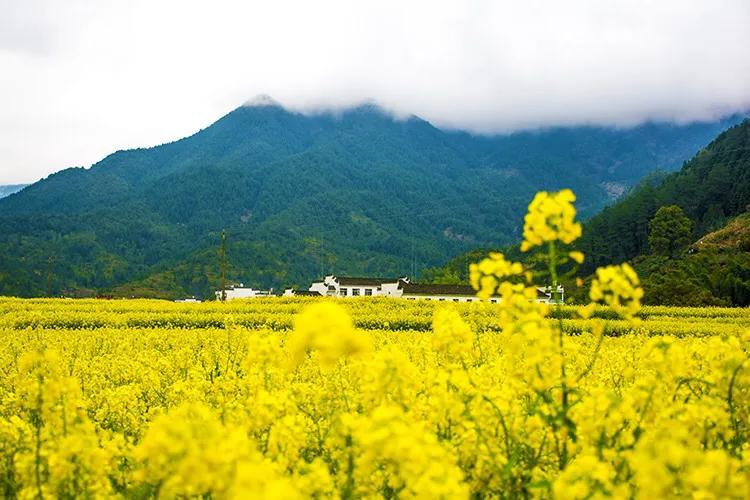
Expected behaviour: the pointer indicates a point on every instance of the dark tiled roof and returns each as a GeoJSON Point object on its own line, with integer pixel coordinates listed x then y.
{"type": "Point", "coordinates": [306, 293]}
{"type": "Point", "coordinates": [349, 281]}
{"type": "Point", "coordinates": [415, 289]}
{"type": "Point", "coordinates": [458, 290]}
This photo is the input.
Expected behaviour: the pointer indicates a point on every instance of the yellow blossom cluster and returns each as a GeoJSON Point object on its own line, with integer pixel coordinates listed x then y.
{"type": "Point", "coordinates": [487, 275]}
{"type": "Point", "coordinates": [551, 217]}
{"type": "Point", "coordinates": [619, 288]}
{"type": "Point", "coordinates": [326, 329]}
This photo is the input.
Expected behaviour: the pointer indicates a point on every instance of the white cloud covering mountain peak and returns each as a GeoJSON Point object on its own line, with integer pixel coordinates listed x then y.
{"type": "Point", "coordinates": [82, 79]}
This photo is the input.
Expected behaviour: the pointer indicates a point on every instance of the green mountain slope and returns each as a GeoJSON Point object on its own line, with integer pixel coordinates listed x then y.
{"type": "Point", "coordinates": [713, 191]}
{"type": "Point", "coordinates": [352, 192]}
{"type": "Point", "coordinates": [710, 188]}
{"type": "Point", "coordinates": [715, 270]}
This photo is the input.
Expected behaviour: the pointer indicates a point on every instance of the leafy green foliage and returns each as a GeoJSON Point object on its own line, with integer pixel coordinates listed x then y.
{"type": "Point", "coordinates": [707, 278]}
{"type": "Point", "coordinates": [669, 231]}
{"type": "Point", "coordinates": [456, 270]}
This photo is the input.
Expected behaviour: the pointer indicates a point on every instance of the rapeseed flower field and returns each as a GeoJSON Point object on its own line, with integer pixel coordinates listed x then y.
{"type": "Point", "coordinates": [362, 397]}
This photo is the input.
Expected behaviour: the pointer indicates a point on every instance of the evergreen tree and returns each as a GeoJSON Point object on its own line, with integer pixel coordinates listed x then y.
{"type": "Point", "coordinates": [669, 231]}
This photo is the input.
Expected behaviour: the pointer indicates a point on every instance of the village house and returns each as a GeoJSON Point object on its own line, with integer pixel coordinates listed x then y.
{"type": "Point", "coordinates": [240, 291]}
{"type": "Point", "coordinates": [341, 286]}
{"type": "Point", "coordinates": [454, 293]}
{"type": "Point", "coordinates": [333, 286]}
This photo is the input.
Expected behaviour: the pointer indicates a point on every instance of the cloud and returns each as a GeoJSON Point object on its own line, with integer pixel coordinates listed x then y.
{"type": "Point", "coordinates": [81, 79]}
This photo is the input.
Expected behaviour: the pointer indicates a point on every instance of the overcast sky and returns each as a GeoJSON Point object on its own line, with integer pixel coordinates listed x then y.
{"type": "Point", "coordinates": [79, 80]}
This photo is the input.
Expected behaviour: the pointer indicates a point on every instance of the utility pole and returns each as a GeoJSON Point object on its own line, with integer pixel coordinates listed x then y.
{"type": "Point", "coordinates": [320, 256]}
{"type": "Point", "coordinates": [223, 265]}
{"type": "Point", "coordinates": [413, 261]}
{"type": "Point", "coordinates": [50, 261]}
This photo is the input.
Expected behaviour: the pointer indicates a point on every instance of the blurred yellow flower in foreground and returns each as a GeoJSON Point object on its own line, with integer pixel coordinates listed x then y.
{"type": "Point", "coordinates": [551, 217]}
{"type": "Point", "coordinates": [327, 329]}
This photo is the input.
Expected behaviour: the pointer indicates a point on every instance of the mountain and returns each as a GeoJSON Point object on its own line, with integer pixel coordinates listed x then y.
{"type": "Point", "coordinates": [356, 191]}
{"type": "Point", "coordinates": [9, 189]}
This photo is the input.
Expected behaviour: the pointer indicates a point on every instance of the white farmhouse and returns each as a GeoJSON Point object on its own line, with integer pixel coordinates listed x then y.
{"type": "Point", "coordinates": [341, 286]}
{"type": "Point", "coordinates": [242, 292]}
{"type": "Point", "coordinates": [333, 286]}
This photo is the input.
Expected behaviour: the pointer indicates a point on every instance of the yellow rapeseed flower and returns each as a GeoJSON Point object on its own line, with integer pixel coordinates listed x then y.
{"type": "Point", "coordinates": [100, 399]}
{"type": "Point", "coordinates": [327, 329]}
{"type": "Point", "coordinates": [451, 335]}
{"type": "Point", "coordinates": [576, 256]}
{"type": "Point", "coordinates": [619, 288]}
{"type": "Point", "coordinates": [487, 275]}
{"type": "Point", "coordinates": [550, 217]}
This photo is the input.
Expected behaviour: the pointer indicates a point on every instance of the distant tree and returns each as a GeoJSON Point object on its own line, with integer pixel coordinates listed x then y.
{"type": "Point", "coordinates": [441, 276]}
{"type": "Point", "coordinates": [669, 231]}
{"type": "Point", "coordinates": [50, 262]}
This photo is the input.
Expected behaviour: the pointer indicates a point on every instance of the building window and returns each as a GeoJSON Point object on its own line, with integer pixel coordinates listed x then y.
{"type": "Point", "coordinates": [455, 300]}
{"type": "Point", "coordinates": [441, 300]}
{"type": "Point", "coordinates": [344, 292]}
{"type": "Point", "coordinates": [368, 291]}
{"type": "Point", "coordinates": [355, 292]}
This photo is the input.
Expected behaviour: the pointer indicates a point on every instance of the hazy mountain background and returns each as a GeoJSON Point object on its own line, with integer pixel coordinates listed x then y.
{"type": "Point", "coordinates": [8, 189]}
{"type": "Point", "coordinates": [355, 192]}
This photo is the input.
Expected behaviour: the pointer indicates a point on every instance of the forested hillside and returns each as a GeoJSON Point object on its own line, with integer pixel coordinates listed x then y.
{"type": "Point", "coordinates": [352, 192]}
{"type": "Point", "coordinates": [706, 202]}
{"type": "Point", "coordinates": [710, 188]}
{"type": "Point", "coordinates": [715, 270]}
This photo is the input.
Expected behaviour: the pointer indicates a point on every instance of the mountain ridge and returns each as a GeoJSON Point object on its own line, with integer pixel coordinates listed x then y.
{"type": "Point", "coordinates": [357, 191]}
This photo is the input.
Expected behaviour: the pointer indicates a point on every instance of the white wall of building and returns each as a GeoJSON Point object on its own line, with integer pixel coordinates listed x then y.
{"type": "Point", "coordinates": [331, 287]}
{"type": "Point", "coordinates": [322, 287]}
{"type": "Point", "coordinates": [391, 290]}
